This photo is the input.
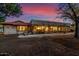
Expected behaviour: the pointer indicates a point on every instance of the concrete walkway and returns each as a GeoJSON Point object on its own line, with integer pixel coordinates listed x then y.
{"type": "Point", "coordinates": [43, 35]}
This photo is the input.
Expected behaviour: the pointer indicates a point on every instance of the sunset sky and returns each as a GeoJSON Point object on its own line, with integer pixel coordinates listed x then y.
{"type": "Point", "coordinates": [38, 11]}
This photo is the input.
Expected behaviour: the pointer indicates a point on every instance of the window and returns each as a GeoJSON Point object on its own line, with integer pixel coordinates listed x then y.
{"type": "Point", "coordinates": [54, 28]}
{"type": "Point", "coordinates": [21, 28]}
{"type": "Point", "coordinates": [40, 28]}
{"type": "Point", "coordinates": [46, 28]}
{"type": "Point", "coordinates": [1, 28]}
{"type": "Point", "coordinates": [59, 28]}
{"type": "Point", "coordinates": [51, 28]}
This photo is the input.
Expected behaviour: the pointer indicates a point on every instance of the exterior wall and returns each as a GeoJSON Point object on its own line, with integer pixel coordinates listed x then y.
{"type": "Point", "coordinates": [51, 29]}
{"type": "Point", "coordinates": [1, 29]}
{"type": "Point", "coordinates": [8, 29]}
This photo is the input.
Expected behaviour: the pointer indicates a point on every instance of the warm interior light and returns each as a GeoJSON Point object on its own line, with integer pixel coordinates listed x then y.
{"type": "Point", "coordinates": [21, 28]}
{"type": "Point", "coordinates": [43, 27]}
{"type": "Point", "coordinates": [59, 28]}
{"type": "Point", "coordinates": [38, 28]}
{"type": "Point", "coordinates": [46, 28]}
{"type": "Point", "coordinates": [54, 28]}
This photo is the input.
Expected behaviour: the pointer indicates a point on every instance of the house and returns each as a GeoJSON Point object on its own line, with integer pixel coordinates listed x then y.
{"type": "Point", "coordinates": [49, 27]}
{"type": "Point", "coordinates": [34, 26]}
{"type": "Point", "coordinates": [14, 27]}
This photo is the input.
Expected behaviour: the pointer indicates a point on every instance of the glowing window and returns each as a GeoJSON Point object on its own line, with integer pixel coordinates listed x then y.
{"type": "Point", "coordinates": [59, 28]}
{"type": "Point", "coordinates": [38, 28]}
{"type": "Point", "coordinates": [46, 29]}
{"type": "Point", "coordinates": [21, 28]}
{"type": "Point", "coordinates": [54, 28]}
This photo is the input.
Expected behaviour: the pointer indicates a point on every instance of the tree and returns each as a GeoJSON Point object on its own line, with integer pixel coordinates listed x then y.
{"type": "Point", "coordinates": [9, 9]}
{"type": "Point", "coordinates": [70, 11]}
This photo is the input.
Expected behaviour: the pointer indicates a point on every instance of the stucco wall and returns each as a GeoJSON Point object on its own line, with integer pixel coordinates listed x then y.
{"type": "Point", "coordinates": [8, 29]}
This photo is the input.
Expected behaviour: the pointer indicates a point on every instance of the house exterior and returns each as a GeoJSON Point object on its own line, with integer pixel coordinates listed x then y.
{"type": "Point", "coordinates": [34, 26]}
{"type": "Point", "coordinates": [14, 27]}
{"type": "Point", "coordinates": [49, 27]}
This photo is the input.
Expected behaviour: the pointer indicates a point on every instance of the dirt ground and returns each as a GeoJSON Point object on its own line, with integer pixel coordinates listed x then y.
{"type": "Point", "coordinates": [61, 45]}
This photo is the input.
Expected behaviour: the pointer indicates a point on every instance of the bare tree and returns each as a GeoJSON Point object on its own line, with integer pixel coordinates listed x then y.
{"type": "Point", "coordinates": [70, 11]}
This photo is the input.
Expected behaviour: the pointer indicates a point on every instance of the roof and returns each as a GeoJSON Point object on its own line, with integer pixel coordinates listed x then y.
{"type": "Point", "coordinates": [16, 23]}
{"type": "Point", "coordinates": [42, 22]}
{"type": "Point", "coordinates": [36, 22]}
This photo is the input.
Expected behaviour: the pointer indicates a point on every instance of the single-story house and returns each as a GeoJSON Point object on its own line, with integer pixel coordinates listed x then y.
{"type": "Point", "coordinates": [35, 26]}
{"type": "Point", "coordinates": [49, 27]}
{"type": "Point", "coordinates": [13, 27]}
